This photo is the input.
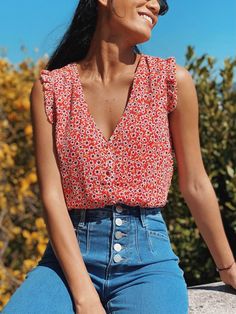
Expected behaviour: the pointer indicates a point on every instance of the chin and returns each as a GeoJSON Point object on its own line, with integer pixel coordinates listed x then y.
{"type": "Point", "coordinates": [138, 34]}
{"type": "Point", "coordinates": [141, 38]}
{"type": "Point", "coordinates": [142, 34]}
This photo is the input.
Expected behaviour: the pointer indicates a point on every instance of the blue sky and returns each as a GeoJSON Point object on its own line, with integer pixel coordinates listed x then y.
{"type": "Point", "coordinates": [209, 26]}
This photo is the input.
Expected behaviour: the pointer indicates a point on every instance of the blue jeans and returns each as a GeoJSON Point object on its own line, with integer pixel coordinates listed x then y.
{"type": "Point", "coordinates": [128, 254]}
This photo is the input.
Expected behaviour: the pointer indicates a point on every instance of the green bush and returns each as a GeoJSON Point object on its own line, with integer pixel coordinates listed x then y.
{"type": "Point", "coordinates": [217, 125]}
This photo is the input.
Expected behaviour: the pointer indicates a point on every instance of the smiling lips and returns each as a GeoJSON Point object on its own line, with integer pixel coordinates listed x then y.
{"type": "Point", "coordinates": [147, 18]}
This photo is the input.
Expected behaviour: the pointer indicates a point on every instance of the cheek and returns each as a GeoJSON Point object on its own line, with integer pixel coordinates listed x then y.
{"type": "Point", "coordinates": [124, 11]}
{"type": "Point", "coordinates": [124, 19]}
{"type": "Point", "coordinates": [128, 23]}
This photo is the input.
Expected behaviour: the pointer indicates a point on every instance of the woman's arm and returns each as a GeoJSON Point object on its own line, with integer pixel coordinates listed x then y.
{"type": "Point", "coordinates": [59, 225]}
{"type": "Point", "coordinates": [194, 183]}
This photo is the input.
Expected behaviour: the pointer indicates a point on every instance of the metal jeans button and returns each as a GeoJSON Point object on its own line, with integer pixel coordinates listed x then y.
{"type": "Point", "coordinates": [118, 222]}
{"type": "Point", "coordinates": [119, 209]}
{"type": "Point", "coordinates": [117, 258]}
{"type": "Point", "coordinates": [118, 234]}
{"type": "Point", "coordinates": [117, 247]}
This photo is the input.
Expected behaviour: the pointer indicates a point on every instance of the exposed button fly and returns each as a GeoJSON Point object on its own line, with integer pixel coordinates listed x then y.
{"type": "Point", "coordinates": [117, 258]}
{"type": "Point", "coordinates": [118, 234]}
{"type": "Point", "coordinates": [117, 247]}
{"type": "Point", "coordinates": [118, 222]}
{"type": "Point", "coordinates": [119, 209]}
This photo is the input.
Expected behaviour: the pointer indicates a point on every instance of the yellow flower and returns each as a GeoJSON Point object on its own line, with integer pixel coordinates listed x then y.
{"type": "Point", "coordinates": [32, 177]}
{"type": "Point", "coordinates": [40, 224]}
{"type": "Point", "coordinates": [26, 234]}
{"type": "Point", "coordinates": [28, 129]}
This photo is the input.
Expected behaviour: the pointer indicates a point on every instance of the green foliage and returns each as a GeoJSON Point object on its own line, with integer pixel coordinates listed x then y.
{"type": "Point", "coordinates": [217, 125]}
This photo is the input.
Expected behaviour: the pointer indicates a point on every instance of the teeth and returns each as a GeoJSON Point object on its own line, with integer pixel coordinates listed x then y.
{"type": "Point", "coordinates": [146, 17]}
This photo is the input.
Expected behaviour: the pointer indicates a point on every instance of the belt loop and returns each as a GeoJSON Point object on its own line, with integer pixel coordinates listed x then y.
{"type": "Point", "coordinates": [82, 217]}
{"type": "Point", "coordinates": [142, 216]}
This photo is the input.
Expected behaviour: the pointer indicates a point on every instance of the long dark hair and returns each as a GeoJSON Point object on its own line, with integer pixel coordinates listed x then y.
{"type": "Point", "coordinates": [75, 43]}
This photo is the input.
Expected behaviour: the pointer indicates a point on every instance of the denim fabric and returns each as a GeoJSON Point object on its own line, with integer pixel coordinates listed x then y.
{"type": "Point", "coordinates": [128, 254]}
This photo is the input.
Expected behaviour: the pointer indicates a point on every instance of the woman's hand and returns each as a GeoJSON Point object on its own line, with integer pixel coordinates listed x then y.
{"type": "Point", "coordinates": [90, 307]}
{"type": "Point", "coordinates": [229, 276]}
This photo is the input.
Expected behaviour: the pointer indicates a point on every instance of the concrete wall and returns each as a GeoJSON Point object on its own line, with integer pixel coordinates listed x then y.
{"type": "Point", "coordinates": [217, 298]}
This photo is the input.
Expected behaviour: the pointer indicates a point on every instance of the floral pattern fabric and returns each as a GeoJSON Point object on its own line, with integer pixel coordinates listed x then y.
{"type": "Point", "coordinates": [135, 166]}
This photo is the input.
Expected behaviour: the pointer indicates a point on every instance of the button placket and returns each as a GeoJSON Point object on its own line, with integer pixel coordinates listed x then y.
{"type": "Point", "coordinates": [118, 235]}
{"type": "Point", "coordinates": [109, 167]}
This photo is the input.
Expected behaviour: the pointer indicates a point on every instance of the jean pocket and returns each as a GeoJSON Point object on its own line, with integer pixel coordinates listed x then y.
{"type": "Point", "coordinates": [161, 234]}
{"type": "Point", "coordinates": [157, 234]}
{"type": "Point", "coordinates": [159, 243]}
{"type": "Point", "coordinates": [156, 226]}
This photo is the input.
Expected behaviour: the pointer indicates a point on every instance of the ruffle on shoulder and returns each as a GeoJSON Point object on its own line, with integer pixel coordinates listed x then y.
{"type": "Point", "coordinates": [171, 82]}
{"type": "Point", "coordinates": [48, 88]}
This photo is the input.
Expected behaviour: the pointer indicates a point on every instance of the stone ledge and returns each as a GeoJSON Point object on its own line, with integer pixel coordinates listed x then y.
{"type": "Point", "coordinates": [217, 298]}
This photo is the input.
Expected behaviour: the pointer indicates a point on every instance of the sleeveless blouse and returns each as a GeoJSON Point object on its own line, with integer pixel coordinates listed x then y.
{"type": "Point", "coordinates": [133, 167]}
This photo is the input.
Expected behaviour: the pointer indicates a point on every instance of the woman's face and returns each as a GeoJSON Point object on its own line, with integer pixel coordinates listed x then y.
{"type": "Point", "coordinates": [124, 20]}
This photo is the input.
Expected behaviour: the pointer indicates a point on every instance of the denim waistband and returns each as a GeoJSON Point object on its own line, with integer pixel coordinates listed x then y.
{"type": "Point", "coordinates": [84, 215]}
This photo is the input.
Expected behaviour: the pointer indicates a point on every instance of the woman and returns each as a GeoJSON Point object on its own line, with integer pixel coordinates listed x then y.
{"type": "Point", "coordinates": [104, 117]}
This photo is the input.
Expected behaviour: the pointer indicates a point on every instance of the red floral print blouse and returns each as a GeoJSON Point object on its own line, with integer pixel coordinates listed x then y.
{"type": "Point", "coordinates": [133, 167]}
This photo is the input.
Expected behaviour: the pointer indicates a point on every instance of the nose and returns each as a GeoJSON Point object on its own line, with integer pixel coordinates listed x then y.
{"type": "Point", "coordinates": [154, 6]}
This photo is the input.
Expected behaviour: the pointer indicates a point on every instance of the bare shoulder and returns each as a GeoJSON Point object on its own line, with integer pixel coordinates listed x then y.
{"type": "Point", "coordinates": [37, 105]}
{"type": "Point", "coordinates": [36, 90]}
{"type": "Point", "coordinates": [183, 76]}
{"type": "Point", "coordinates": [186, 90]}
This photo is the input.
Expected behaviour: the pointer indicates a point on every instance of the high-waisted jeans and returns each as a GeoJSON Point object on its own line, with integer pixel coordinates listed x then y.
{"type": "Point", "coordinates": [129, 257]}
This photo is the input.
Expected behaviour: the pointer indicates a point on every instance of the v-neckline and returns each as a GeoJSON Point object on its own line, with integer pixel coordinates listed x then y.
{"type": "Point", "coordinates": [132, 89]}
